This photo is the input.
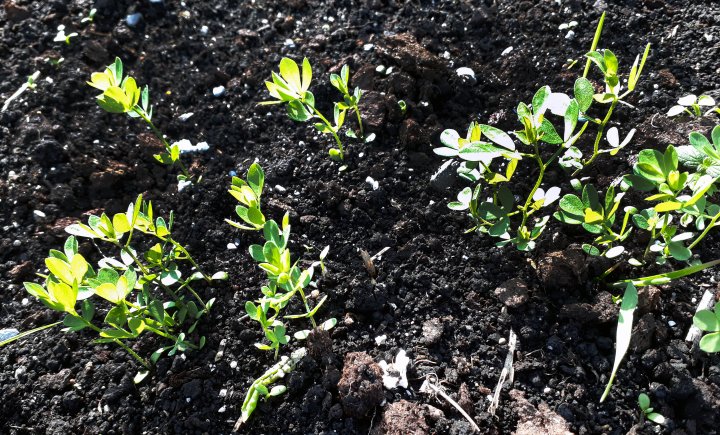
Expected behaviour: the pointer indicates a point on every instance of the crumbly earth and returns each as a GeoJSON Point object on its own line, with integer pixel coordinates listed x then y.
{"type": "Point", "coordinates": [61, 155]}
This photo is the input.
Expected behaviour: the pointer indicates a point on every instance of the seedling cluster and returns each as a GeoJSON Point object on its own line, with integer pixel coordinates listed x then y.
{"type": "Point", "coordinates": [693, 106]}
{"type": "Point", "coordinates": [164, 303]}
{"type": "Point", "coordinates": [490, 158]}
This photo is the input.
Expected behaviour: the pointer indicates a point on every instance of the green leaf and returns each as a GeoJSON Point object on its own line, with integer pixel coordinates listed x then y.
{"type": "Point", "coordinates": [306, 74]}
{"type": "Point", "coordinates": [298, 112]}
{"type": "Point", "coordinates": [571, 118]}
{"type": "Point", "coordinates": [549, 135]}
{"type": "Point", "coordinates": [711, 342]}
{"type": "Point", "coordinates": [291, 73]}
{"type": "Point", "coordinates": [256, 179]}
{"type": "Point", "coordinates": [572, 204]}
{"type": "Point", "coordinates": [60, 269]}
{"type": "Point", "coordinates": [643, 401]}
{"type": "Point", "coordinates": [706, 320]}
{"type": "Point", "coordinates": [584, 92]}
{"type": "Point", "coordinates": [656, 418]}
{"type": "Point", "coordinates": [539, 100]}
{"type": "Point", "coordinates": [624, 332]}
{"type": "Point", "coordinates": [498, 136]}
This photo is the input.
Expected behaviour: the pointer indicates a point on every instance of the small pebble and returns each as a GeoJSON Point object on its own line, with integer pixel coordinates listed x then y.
{"type": "Point", "coordinates": [570, 34]}
{"type": "Point", "coordinates": [233, 365]}
{"type": "Point", "coordinates": [506, 51]}
{"type": "Point", "coordinates": [671, 323]}
{"type": "Point", "coordinates": [132, 20]}
{"type": "Point", "coordinates": [368, 47]}
{"type": "Point", "coordinates": [374, 184]}
{"type": "Point", "coordinates": [8, 333]}
{"type": "Point", "coordinates": [204, 30]}
{"type": "Point", "coordinates": [222, 409]}
{"type": "Point", "coordinates": [502, 340]}
{"type": "Point", "coordinates": [232, 173]}
{"type": "Point", "coordinates": [20, 371]}
{"type": "Point", "coordinates": [218, 91]}
{"type": "Point", "coordinates": [25, 302]}
{"type": "Point", "coordinates": [182, 184]}
{"type": "Point", "coordinates": [380, 339]}
{"type": "Point", "coordinates": [223, 392]}
{"type": "Point", "coordinates": [185, 116]}
{"type": "Point", "coordinates": [467, 74]}
{"type": "Point", "coordinates": [17, 243]}
{"type": "Point", "coordinates": [231, 246]}
{"type": "Point", "coordinates": [280, 189]}
{"type": "Point", "coordinates": [289, 43]}
{"type": "Point", "coordinates": [380, 69]}
{"type": "Point", "coordinates": [547, 390]}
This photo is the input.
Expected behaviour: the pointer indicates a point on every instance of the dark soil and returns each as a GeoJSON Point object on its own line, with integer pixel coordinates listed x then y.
{"type": "Point", "coordinates": [434, 293]}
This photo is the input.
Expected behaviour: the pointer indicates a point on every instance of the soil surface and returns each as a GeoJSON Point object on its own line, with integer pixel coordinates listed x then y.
{"type": "Point", "coordinates": [435, 290]}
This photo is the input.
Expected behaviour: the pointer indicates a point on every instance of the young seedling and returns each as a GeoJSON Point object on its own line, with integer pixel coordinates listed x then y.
{"type": "Point", "coordinates": [148, 276]}
{"type": "Point", "coordinates": [350, 101]}
{"type": "Point", "coordinates": [90, 16]}
{"type": "Point", "coordinates": [693, 105]}
{"type": "Point", "coordinates": [286, 278]}
{"type": "Point", "coordinates": [122, 95]}
{"type": "Point", "coordinates": [62, 36]}
{"type": "Point", "coordinates": [647, 411]}
{"type": "Point", "coordinates": [291, 87]}
{"type": "Point", "coordinates": [29, 84]}
{"type": "Point", "coordinates": [709, 321]}
{"type": "Point", "coordinates": [260, 388]}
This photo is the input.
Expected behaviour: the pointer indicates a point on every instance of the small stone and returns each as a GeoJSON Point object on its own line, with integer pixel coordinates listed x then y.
{"type": "Point", "coordinates": [223, 392]}
{"type": "Point", "coordinates": [380, 339]}
{"type": "Point", "coordinates": [570, 34]}
{"type": "Point", "coordinates": [506, 51]}
{"type": "Point", "coordinates": [445, 177]}
{"type": "Point", "coordinates": [374, 184]}
{"type": "Point", "coordinates": [39, 216]}
{"type": "Point", "coordinates": [8, 333]}
{"type": "Point", "coordinates": [133, 20]}
{"type": "Point", "coordinates": [204, 30]}
{"type": "Point", "coordinates": [671, 323]}
{"type": "Point", "coordinates": [432, 331]}
{"type": "Point", "coordinates": [467, 75]}
{"type": "Point", "coordinates": [222, 409]}
{"type": "Point", "coordinates": [185, 116]}
{"type": "Point", "coordinates": [280, 189]}
{"type": "Point", "coordinates": [513, 293]}
{"type": "Point", "coordinates": [547, 390]}
{"type": "Point", "coordinates": [218, 91]}
{"type": "Point", "coordinates": [233, 365]}
{"type": "Point", "coordinates": [20, 371]}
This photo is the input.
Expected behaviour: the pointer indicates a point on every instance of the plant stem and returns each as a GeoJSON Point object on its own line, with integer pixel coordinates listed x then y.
{"type": "Point", "coordinates": [119, 343]}
{"type": "Point", "coordinates": [357, 112]}
{"type": "Point", "coordinates": [598, 137]}
{"type": "Point", "coordinates": [543, 166]}
{"type": "Point", "coordinates": [189, 257]}
{"type": "Point", "coordinates": [332, 131]}
{"type": "Point", "coordinates": [704, 233]}
{"type": "Point", "coordinates": [160, 136]}
{"type": "Point", "coordinates": [594, 44]}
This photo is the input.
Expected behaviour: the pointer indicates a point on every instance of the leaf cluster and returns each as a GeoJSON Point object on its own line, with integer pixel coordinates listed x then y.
{"type": "Point", "coordinates": [290, 86]}
{"type": "Point", "coordinates": [74, 286]}
{"type": "Point", "coordinates": [693, 106]}
{"type": "Point", "coordinates": [709, 321]}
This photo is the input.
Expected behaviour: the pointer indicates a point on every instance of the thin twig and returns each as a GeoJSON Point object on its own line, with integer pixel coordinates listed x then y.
{"type": "Point", "coordinates": [428, 384]}
{"type": "Point", "coordinates": [694, 333]}
{"type": "Point", "coordinates": [507, 372]}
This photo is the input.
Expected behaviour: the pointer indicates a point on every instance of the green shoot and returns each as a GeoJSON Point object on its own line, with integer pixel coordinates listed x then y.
{"type": "Point", "coordinates": [596, 40]}
{"type": "Point", "coordinates": [692, 105]}
{"type": "Point", "coordinates": [26, 333]}
{"type": "Point", "coordinates": [260, 387]}
{"type": "Point", "coordinates": [286, 278]}
{"type": "Point", "coordinates": [122, 95]}
{"type": "Point", "coordinates": [647, 411]}
{"type": "Point", "coordinates": [291, 87]}
{"type": "Point", "coordinates": [62, 36]}
{"type": "Point", "coordinates": [30, 83]}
